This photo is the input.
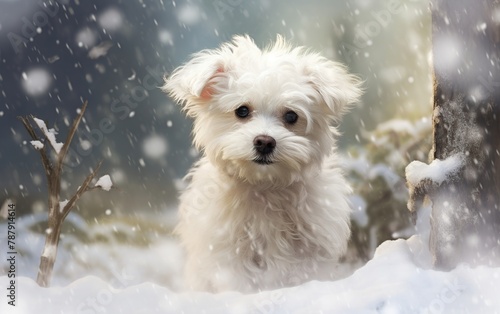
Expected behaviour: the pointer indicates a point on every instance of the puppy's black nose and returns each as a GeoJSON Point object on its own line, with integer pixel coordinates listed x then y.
{"type": "Point", "coordinates": [264, 144]}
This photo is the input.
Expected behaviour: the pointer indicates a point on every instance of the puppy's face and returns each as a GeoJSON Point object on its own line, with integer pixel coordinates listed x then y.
{"type": "Point", "coordinates": [263, 116]}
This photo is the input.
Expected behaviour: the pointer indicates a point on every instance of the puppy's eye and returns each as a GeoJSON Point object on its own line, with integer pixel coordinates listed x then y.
{"type": "Point", "coordinates": [242, 112]}
{"type": "Point", "coordinates": [290, 117]}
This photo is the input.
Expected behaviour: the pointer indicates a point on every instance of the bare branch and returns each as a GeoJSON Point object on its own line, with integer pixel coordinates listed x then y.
{"type": "Point", "coordinates": [91, 188]}
{"type": "Point", "coordinates": [45, 159]}
{"type": "Point", "coordinates": [83, 188]}
{"type": "Point", "coordinates": [69, 138]}
{"type": "Point", "coordinates": [28, 127]}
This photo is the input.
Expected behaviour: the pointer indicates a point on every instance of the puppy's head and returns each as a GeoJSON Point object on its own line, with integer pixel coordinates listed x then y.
{"type": "Point", "coordinates": [263, 116]}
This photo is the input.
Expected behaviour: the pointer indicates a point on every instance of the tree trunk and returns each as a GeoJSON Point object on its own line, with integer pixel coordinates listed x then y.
{"type": "Point", "coordinates": [49, 254]}
{"type": "Point", "coordinates": [465, 217]}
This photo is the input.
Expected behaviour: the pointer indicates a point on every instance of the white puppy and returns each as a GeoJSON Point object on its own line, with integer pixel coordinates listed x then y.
{"type": "Point", "coordinates": [266, 206]}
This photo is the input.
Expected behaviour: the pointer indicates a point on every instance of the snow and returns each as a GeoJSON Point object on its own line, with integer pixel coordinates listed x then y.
{"type": "Point", "coordinates": [50, 134]}
{"type": "Point", "coordinates": [86, 37]}
{"type": "Point", "coordinates": [100, 50]}
{"type": "Point", "coordinates": [85, 145]}
{"type": "Point", "coordinates": [104, 183]}
{"type": "Point", "coordinates": [36, 82]}
{"type": "Point", "coordinates": [189, 14]}
{"type": "Point", "coordinates": [393, 74]}
{"type": "Point", "coordinates": [397, 280]}
{"type": "Point", "coordinates": [495, 16]}
{"type": "Point", "coordinates": [397, 126]}
{"type": "Point", "coordinates": [166, 37]}
{"type": "Point", "coordinates": [62, 204]}
{"type": "Point", "coordinates": [147, 279]}
{"type": "Point", "coordinates": [155, 147]}
{"type": "Point", "coordinates": [447, 54]}
{"type": "Point", "coordinates": [111, 19]}
{"type": "Point", "coordinates": [437, 171]}
{"type": "Point", "coordinates": [37, 145]}
{"type": "Point", "coordinates": [118, 176]}
{"type": "Point", "coordinates": [142, 162]}
{"type": "Point", "coordinates": [359, 214]}
{"type": "Point", "coordinates": [49, 250]}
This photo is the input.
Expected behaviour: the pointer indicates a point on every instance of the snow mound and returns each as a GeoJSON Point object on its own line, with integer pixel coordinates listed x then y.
{"type": "Point", "coordinates": [397, 280]}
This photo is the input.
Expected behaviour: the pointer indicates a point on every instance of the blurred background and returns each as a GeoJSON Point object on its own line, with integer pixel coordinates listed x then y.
{"type": "Point", "coordinates": [56, 54]}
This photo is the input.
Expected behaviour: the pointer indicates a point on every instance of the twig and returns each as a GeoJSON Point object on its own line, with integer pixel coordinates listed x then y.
{"type": "Point", "coordinates": [45, 160]}
{"type": "Point", "coordinates": [65, 148]}
{"type": "Point", "coordinates": [83, 188]}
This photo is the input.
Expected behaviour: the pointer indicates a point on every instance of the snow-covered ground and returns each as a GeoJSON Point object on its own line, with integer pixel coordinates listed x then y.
{"type": "Point", "coordinates": [397, 280]}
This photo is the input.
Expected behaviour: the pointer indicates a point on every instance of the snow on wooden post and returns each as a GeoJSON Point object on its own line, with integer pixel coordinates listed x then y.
{"type": "Point", "coordinates": [465, 216]}
{"type": "Point", "coordinates": [58, 210]}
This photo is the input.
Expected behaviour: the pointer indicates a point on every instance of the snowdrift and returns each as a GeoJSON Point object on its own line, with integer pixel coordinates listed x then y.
{"type": "Point", "coordinates": [397, 280]}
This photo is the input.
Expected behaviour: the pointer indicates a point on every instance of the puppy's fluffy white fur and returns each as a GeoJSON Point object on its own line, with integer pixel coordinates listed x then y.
{"type": "Point", "coordinates": [246, 225]}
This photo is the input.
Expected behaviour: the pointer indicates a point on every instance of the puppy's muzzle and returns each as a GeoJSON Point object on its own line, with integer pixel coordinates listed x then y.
{"type": "Point", "coordinates": [264, 145]}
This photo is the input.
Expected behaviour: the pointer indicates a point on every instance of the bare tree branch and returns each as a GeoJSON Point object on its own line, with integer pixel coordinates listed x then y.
{"type": "Point", "coordinates": [64, 150]}
{"type": "Point", "coordinates": [47, 165]}
{"type": "Point", "coordinates": [81, 190]}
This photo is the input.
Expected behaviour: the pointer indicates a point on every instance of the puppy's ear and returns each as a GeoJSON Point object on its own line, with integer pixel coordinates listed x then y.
{"type": "Point", "coordinates": [194, 82]}
{"type": "Point", "coordinates": [207, 73]}
{"type": "Point", "coordinates": [337, 89]}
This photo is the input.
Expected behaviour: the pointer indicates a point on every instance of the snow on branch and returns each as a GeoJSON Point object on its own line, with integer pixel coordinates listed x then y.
{"type": "Point", "coordinates": [37, 145]}
{"type": "Point", "coordinates": [423, 179]}
{"type": "Point", "coordinates": [104, 183]}
{"type": "Point", "coordinates": [437, 171]}
{"type": "Point", "coordinates": [50, 134]}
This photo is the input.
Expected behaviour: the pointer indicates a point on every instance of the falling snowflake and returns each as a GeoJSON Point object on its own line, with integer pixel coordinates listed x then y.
{"type": "Point", "coordinates": [189, 14]}
{"type": "Point", "coordinates": [36, 81]}
{"type": "Point", "coordinates": [111, 19]}
{"type": "Point", "coordinates": [155, 147]}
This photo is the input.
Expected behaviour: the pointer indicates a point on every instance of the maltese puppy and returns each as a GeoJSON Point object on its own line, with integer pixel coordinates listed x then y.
{"type": "Point", "coordinates": [266, 206]}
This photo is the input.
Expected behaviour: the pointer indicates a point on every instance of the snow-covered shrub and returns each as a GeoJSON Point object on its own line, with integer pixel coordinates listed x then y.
{"type": "Point", "coordinates": [376, 170]}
